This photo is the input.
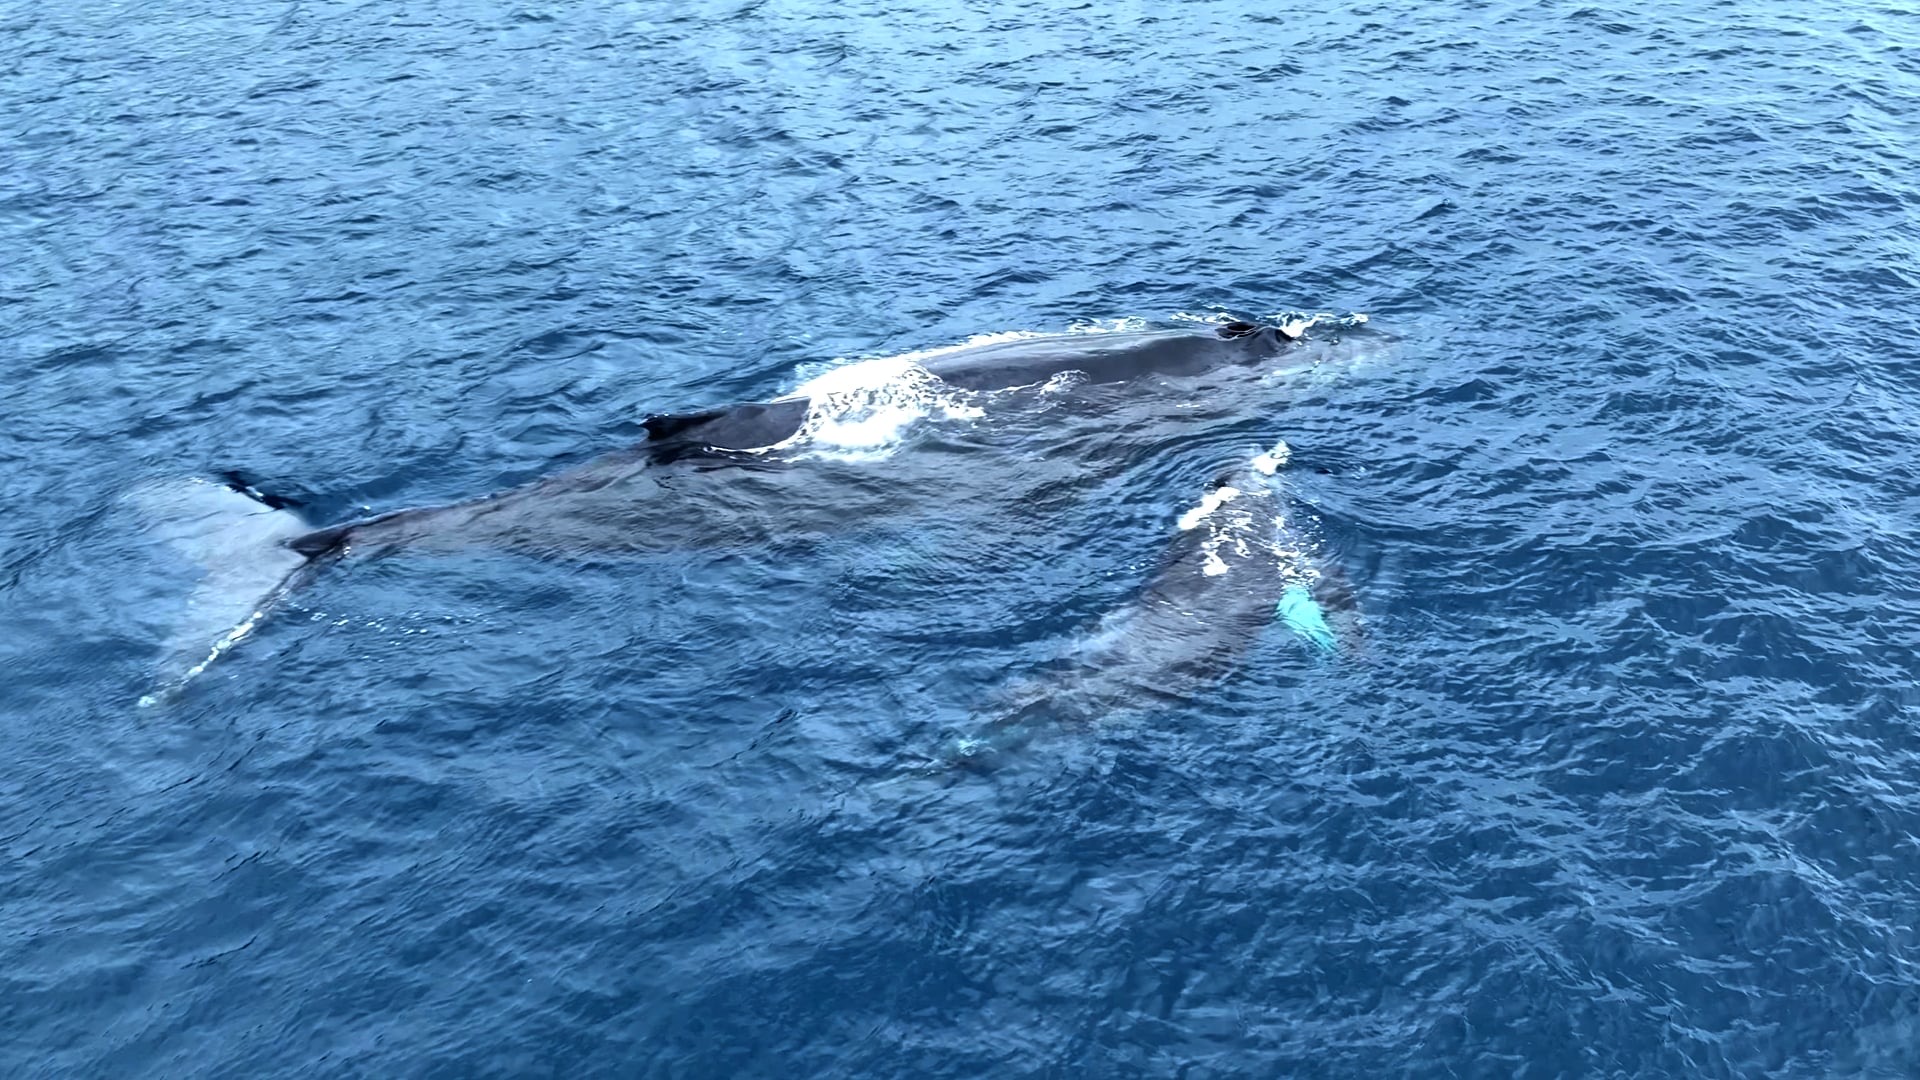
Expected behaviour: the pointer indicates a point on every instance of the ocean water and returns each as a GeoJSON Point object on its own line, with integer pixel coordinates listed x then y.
{"type": "Point", "coordinates": [1614, 774]}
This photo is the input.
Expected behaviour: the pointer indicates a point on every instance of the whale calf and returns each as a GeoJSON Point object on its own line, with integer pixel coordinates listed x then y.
{"type": "Point", "coordinates": [1237, 562]}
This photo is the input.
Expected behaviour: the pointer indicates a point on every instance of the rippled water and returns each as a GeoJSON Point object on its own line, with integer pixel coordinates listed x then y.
{"type": "Point", "coordinates": [1618, 780]}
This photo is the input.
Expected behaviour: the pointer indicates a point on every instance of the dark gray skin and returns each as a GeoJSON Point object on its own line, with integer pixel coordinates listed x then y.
{"type": "Point", "coordinates": [1185, 629]}
{"type": "Point", "coordinates": [1205, 607]}
{"type": "Point", "coordinates": [1098, 358]}
{"type": "Point", "coordinates": [568, 509]}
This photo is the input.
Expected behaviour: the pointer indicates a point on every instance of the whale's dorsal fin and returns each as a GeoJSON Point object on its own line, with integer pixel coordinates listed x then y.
{"type": "Point", "coordinates": [667, 425]}
{"type": "Point", "coordinates": [751, 427]}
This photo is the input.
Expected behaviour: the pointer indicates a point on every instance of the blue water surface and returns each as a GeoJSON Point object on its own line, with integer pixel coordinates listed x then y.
{"type": "Point", "coordinates": [1620, 779]}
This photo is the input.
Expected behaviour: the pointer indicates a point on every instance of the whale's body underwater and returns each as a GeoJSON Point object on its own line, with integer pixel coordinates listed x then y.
{"type": "Point", "coordinates": [266, 552]}
{"type": "Point", "coordinates": [1235, 564]}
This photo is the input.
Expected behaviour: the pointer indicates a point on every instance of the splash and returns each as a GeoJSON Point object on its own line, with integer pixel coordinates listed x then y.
{"type": "Point", "coordinates": [1296, 323]}
{"type": "Point", "coordinates": [1291, 323]}
{"type": "Point", "coordinates": [864, 410]}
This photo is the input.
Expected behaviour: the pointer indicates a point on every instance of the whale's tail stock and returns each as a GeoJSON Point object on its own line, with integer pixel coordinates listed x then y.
{"type": "Point", "coordinates": [253, 551]}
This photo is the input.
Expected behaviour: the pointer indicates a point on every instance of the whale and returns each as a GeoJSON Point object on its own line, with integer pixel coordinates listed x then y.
{"type": "Point", "coordinates": [1092, 358]}
{"type": "Point", "coordinates": [586, 507]}
{"type": "Point", "coordinates": [1241, 557]}
{"type": "Point", "coordinates": [753, 433]}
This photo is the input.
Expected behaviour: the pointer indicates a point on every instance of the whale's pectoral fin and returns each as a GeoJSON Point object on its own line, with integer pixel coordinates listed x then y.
{"type": "Point", "coordinates": [1299, 612]}
{"type": "Point", "coordinates": [1326, 616]}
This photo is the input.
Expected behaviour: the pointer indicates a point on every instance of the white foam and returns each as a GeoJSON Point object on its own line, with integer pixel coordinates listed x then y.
{"type": "Point", "coordinates": [1062, 382]}
{"type": "Point", "coordinates": [847, 378]}
{"type": "Point", "coordinates": [1290, 323]}
{"type": "Point", "coordinates": [1295, 323]}
{"type": "Point", "coordinates": [1242, 521]}
{"type": "Point", "coordinates": [1211, 501]}
{"type": "Point", "coordinates": [864, 409]}
{"type": "Point", "coordinates": [1272, 461]}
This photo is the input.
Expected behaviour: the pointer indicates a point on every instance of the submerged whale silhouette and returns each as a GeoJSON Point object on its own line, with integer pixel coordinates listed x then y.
{"type": "Point", "coordinates": [568, 503]}
{"type": "Point", "coordinates": [1236, 564]}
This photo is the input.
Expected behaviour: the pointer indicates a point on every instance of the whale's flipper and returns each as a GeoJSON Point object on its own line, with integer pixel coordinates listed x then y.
{"type": "Point", "coordinates": [242, 544]}
{"type": "Point", "coordinates": [1299, 612]}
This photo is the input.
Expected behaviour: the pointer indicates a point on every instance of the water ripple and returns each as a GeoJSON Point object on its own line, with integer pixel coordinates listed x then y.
{"type": "Point", "coordinates": [1621, 781]}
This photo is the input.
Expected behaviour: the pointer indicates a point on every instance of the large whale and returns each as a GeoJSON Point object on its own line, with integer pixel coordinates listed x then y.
{"type": "Point", "coordinates": [261, 551]}
{"type": "Point", "coordinates": [750, 432]}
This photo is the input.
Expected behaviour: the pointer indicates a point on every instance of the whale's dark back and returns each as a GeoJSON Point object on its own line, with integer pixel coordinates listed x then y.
{"type": "Point", "coordinates": [1103, 358]}
{"type": "Point", "coordinates": [1100, 358]}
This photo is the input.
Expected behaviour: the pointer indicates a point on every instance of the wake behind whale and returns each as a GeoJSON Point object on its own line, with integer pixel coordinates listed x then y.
{"type": "Point", "coordinates": [782, 461]}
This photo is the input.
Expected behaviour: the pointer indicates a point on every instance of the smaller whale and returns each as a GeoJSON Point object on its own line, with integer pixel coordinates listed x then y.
{"type": "Point", "coordinates": [1236, 564]}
